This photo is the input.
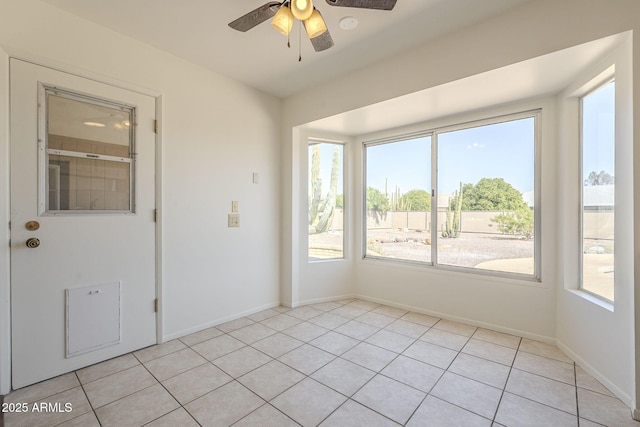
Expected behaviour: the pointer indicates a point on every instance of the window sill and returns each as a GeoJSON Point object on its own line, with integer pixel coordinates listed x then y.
{"type": "Point", "coordinates": [467, 273]}
{"type": "Point", "coordinates": [607, 305]}
{"type": "Point", "coordinates": [311, 260]}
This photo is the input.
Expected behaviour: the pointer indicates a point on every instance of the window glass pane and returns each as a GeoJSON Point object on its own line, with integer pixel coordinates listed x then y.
{"type": "Point", "coordinates": [88, 184]}
{"type": "Point", "coordinates": [598, 184]}
{"type": "Point", "coordinates": [326, 200]}
{"type": "Point", "coordinates": [88, 127]}
{"type": "Point", "coordinates": [486, 179]}
{"type": "Point", "coordinates": [88, 154]}
{"type": "Point", "coordinates": [398, 197]}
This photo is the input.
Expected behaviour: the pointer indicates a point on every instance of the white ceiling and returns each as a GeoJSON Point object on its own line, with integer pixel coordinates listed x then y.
{"type": "Point", "coordinates": [537, 77]}
{"type": "Point", "coordinates": [197, 31]}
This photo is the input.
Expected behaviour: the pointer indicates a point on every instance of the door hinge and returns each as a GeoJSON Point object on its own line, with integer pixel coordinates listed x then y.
{"type": "Point", "coordinates": [155, 215]}
{"type": "Point", "coordinates": [155, 305]}
{"type": "Point", "coordinates": [155, 126]}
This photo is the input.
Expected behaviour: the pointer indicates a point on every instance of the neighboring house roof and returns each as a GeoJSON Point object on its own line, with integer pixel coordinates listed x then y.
{"type": "Point", "coordinates": [598, 195]}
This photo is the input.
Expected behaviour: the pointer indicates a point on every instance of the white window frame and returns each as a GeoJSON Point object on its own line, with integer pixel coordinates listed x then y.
{"type": "Point", "coordinates": [605, 78]}
{"type": "Point", "coordinates": [383, 141]}
{"type": "Point", "coordinates": [309, 142]}
{"type": "Point", "coordinates": [536, 114]}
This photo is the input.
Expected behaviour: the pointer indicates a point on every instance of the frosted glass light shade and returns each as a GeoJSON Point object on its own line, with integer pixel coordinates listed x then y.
{"type": "Point", "coordinates": [302, 9]}
{"type": "Point", "coordinates": [315, 25]}
{"type": "Point", "coordinates": [283, 20]}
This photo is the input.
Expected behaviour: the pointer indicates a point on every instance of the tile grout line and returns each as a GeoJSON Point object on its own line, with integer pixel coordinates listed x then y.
{"type": "Point", "coordinates": [376, 373]}
{"type": "Point", "coordinates": [428, 393]}
{"type": "Point", "coordinates": [445, 370]}
{"type": "Point", "coordinates": [575, 378]}
{"type": "Point", "coordinates": [335, 357]}
{"type": "Point", "coordinates": [167, 390]}
{"type": "Point", "coordinates": [504, 388]}
{"type": "Point", "coordinates": [87, 397]}
{"type": "Point", "coordinates": [266, 403]}
{"type": "Point", "coordinates": [348, 398]}
{"type": "Point", "coordinates": [235, 379]}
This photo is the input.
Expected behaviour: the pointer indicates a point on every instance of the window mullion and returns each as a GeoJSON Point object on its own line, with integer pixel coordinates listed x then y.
{"type": "Point", "coordinates": [435, 226]}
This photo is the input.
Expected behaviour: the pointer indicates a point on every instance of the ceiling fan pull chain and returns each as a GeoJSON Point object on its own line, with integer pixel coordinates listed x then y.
{"type": "Point", "coordinates": [288, 36]}
{"type": "Point", "coordinates": [300, 41]}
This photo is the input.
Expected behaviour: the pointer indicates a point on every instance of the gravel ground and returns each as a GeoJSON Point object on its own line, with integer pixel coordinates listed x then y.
{"type": "Point", "coordinates": [468, 249]}
{"type": "Point", "coordinates": [475, 250]}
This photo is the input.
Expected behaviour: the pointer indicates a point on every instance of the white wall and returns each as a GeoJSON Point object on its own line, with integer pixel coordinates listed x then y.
{"type": "Point", "coordinates": [596, 334]}
{"type": "Point", "coordinates": [334, 278]}
{"type": "Point", "coordinates": [215, 134]}
{"type": "Point", "coordinates": [523, 307]}
{"type": "Point", "coordinates": [534, 29]}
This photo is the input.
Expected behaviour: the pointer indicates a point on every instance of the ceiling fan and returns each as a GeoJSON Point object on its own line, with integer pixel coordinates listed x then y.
{"type": "Point", "coordinates": [285, 12]}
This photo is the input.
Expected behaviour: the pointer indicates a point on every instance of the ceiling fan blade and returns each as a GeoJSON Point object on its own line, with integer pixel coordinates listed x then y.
{"type": "Point", "coordinates": [322, 42]}
{"type": "Point", "coordinates": [365, 4]}
{"type": "Point", "coordinates": [255, 17]}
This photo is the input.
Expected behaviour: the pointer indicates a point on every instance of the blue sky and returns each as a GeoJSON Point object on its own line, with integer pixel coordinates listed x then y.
{"type": "Point", "coordinates": [598, 130]}
{"type": "Point", "coordinates": [503, 150]}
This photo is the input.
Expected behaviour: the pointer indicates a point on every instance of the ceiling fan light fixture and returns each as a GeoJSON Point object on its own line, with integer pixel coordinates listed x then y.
{"type": "Point", "coordinates": [283, 20]}
{"type": "Point", "coordinates": [302, 9]}
{"type": "Point", "coordinates": [315, 25]}
{"type": "Point", "coordinates": [94, 124]}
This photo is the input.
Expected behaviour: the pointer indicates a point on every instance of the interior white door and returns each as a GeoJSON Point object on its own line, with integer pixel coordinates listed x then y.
{"type": "Point", "coordinates": [83, 185]}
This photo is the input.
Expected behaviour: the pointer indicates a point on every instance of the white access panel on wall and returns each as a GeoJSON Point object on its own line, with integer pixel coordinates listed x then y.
{"type": "Point", "coordinates": [93, 318]}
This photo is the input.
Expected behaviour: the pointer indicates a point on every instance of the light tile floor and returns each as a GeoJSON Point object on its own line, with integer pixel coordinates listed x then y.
{"type": "Point", "coordinates": [344, 363]}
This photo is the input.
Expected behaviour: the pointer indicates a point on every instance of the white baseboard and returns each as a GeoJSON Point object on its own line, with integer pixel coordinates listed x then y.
{"type": "Point", "coordinates": [497, 328]}
{"type": "Point", "coordinates": [615, 390]}
{"type": "Point", "coordinates": [216, 322]}
{"type": "Point", "coordinates": [321, 300]}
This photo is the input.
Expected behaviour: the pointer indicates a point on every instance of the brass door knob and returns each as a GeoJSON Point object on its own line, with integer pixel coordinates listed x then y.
{"type": "Point", "coordinates": [32, 225]}
{"type": "Point", "coordinates": [33, 243]}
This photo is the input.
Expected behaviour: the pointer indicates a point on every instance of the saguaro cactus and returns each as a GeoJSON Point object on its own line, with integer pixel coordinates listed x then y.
{"type": "Point", "coordinates": [321, 210]}
{"type": "Point", "coordinates": [316, 183]}
{"type": "Point", "coordinates": [399, 203]}
{"type": "Point", "coordinates": [451, 227]}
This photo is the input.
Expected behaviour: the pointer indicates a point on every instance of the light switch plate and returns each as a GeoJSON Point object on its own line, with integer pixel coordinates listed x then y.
{"type": "Point", "coordinates": [234, 206]}
{"type": "Point", "coordinates": [234, 220]}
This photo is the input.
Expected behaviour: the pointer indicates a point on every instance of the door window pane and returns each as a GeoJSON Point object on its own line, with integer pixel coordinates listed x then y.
{"type": "Point", "coordinates": [486, 179]}
{"type": "Point", "coordinates": [89, 146]}
{"type": "Point", "coordinates": [326, 200]}
{"type": "Point", "coordinates": [598, 187]}
{"type": "Point", "coordinates": [398, 198]}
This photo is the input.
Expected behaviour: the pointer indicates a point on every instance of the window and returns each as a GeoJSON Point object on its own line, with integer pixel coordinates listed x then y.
{"type": "Point", "coordinates": [598, 185]}
{"type": "Point", "coordinates": [486, 178]}
{"type": "Point", "coordinates": [398, 199]}
{"type": "Point", "coordinates": [88, 157]}
{"type": "Point", "coordinates": [326, 200]}
{"type": "Point", "coordinates": [481, 213]}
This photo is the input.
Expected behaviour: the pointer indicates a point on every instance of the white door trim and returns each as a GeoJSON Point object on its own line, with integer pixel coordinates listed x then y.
{"type": "Point", "coordinates": [5, 261]}
{"type": "Point", "coordinates": [6, 54]}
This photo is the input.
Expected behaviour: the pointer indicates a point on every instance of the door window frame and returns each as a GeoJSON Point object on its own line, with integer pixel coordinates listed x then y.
{"type": "Point", "coordinates": [44, 151]}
